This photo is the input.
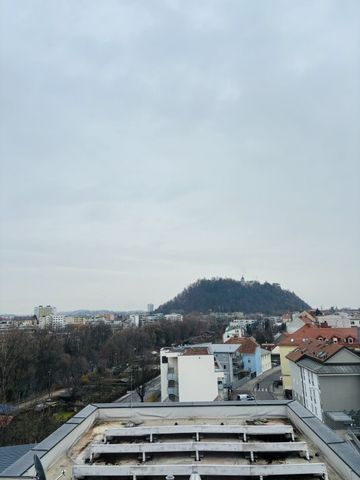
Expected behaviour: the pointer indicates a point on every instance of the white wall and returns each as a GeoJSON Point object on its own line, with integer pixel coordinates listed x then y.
{"type": "Point", "coordinates": [163, 378]}
{"type": "Point", "coordinates": [172, 363]}
{"type": "Point", "coordinates": [197, 378]}
{"type": "Point", "coordinates": [265, 362]}
{"type": "Point", "coordinates": [311, 392]}
{"type": "Point", "coordinates": [297, 388]}
{"type": "Point", "coordinates": [234, 332]}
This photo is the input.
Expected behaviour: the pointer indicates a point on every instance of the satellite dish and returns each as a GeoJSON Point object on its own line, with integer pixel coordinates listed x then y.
{"type": "Point", "coordinates": [39, 469]}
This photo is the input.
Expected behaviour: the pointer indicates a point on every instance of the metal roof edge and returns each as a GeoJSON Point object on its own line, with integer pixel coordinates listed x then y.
{"type": "Point", "coordinates": [25, 462]}
{"type": "Point", "coordinates": [190, 404]}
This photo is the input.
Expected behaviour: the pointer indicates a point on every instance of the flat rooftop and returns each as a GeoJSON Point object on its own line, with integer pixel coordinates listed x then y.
{"type": "Point", "coordinates": [217, 440]}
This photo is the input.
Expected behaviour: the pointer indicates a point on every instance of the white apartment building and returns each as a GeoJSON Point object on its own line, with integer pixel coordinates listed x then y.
{"type": "Point", "coordinates": [325, 377]}
{"type": "Point", "coordinates": [42, 311]}
{"type": "Point", "coordinates": [174, 317]}
{"type": "Point", "coordinates": [340, 320]}
{"type": "Point", "coordinates": [189, 374]}
{"type": "Point", "coordinates": [57, 321]}
{"type": "Point", "coordinates": [265, 360]}
{"type": "Point", "coordinates": [52, 321]}
{"type": "Point", "coordinates": [231, 332]}
{"type": "Point", "coordinates": [241, 322]}
{"type": "Point", "coordinates": [134, 320]}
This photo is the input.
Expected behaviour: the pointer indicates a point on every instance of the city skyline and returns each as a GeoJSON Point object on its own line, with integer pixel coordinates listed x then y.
{"type": "Point", "coordinates": [145, 145]}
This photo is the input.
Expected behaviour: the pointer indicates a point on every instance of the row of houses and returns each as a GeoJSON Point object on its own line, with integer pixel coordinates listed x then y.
{"type": "Point", "coordinates": [289, 341]}
{"type": "Point", "coordinates": [320, 367]}
{"type": "Point", "coordinates": [208, 371]}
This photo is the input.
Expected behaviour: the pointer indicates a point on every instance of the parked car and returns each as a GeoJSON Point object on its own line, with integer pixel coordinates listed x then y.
{"type": "Point", "coordinates": [245, 396]}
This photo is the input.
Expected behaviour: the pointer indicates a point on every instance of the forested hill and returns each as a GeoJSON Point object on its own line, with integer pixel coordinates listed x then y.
{"type": "Point", "coordinates": [226, 295]}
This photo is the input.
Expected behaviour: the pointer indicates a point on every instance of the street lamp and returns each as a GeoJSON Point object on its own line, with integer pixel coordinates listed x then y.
{"type": "Point", "coordinates": [49, 383]}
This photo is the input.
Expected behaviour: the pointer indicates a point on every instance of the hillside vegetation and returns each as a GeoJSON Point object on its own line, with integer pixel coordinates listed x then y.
{"type": "Point", "coordinates": [227, 295]}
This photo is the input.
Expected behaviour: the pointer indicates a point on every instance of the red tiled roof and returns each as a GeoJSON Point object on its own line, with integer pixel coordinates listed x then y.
{"type": "Point", "coordinates": [319, 350]}
{"type": "Point", "coordinates": [311, 332]}
{"type": "Point", "coordinates": [248, 345]}
{"type": "Point", "coordinates": [196, 351]}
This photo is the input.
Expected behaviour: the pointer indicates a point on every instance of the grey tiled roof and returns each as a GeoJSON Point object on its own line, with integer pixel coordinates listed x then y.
{"type": "Point", "coordinates": [330, 368]}
{"type": "Point", "coordinates": [9, 455]}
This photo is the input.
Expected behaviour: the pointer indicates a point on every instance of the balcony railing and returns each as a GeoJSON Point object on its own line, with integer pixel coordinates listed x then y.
{"type": "Point", "coordinates": [238, 367]}
{"type": "Point", "coordinates": [173, 391]}
{"type": "Point", "coordinates": [171, 375]}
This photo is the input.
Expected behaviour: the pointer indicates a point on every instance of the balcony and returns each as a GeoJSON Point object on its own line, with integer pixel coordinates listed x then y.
{"type": "Point", "coordinates": [173, 391]}
{"type": "Point", "coordinates": [238, 361]}
{"type": "Point", "coordinates": [238, 367]}
{"type": "Point", "coordinates": [171, 375]}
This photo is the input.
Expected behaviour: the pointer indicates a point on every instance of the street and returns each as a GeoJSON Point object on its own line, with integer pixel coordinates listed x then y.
{"type": "Point", "coordinates": [262, 386]}
{"type": "Point", "coordinates": [41, 398]}
{"type": "Point", "coordinates": [265, 390]}
{"type": "Point", "coordinates": [153, 387]}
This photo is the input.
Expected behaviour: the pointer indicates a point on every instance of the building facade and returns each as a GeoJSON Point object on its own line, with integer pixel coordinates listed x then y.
{"type": "Point", "coordinates": [44, 311]}
{"type": "Point", "coordinates": [265, 360]}
{"type": "Point", "coordinates": [189, 374]}
{"type": "Point", "coordinates": [232, 332]}
{"type": "Point", "coordinates": [325, 378]}
{"type": "Point", "coordinates": [290, 341]}
{"type": "Point", "coordinates": [250, 352]}
{"type": "Point", "coordinates": [174, 317]}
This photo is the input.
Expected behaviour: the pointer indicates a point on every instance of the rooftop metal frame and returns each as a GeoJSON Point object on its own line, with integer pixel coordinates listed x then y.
{"type": "Point", "coordinates": [144, 449]}
{"type": "Point", "coordinates": [197, 430]}
{"type": "Point", "coordinates": [221, 471]}
{"type": "Point", "coordinates": [339, 454]}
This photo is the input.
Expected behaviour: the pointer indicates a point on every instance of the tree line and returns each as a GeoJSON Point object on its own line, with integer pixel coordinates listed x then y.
{"type": "Point", "coordinates": [34, 362]}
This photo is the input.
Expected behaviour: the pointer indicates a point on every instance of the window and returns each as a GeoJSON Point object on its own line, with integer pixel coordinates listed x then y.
{"type": "Point", "coordinates": [350, 340]}
{"type": "Point", "coordinates": [164, 359]}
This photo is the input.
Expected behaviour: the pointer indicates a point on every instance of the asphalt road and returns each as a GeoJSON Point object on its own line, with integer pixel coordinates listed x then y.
{"type": "Point", "coordinates": [153, 386]}
{"type": "Point", "coordinates": [265, 387]}
{"type": "Point", "coordinates": [41, 398]}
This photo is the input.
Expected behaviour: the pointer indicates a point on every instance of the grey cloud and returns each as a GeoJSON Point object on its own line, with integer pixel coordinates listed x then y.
{"type": "Point", "coordinates": [146, 144]}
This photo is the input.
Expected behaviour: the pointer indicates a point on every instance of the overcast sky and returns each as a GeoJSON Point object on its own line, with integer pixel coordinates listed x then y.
{"type": "Point", "coordinates": [149, 143]}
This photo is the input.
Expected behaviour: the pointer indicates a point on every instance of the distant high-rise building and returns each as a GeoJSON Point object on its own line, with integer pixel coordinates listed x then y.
{"type": "Point", "coordinates": [150, 308]}
{"type": "Point", "coordinates": [46, 311]}
{"type": "Point", "coordinates": [134, 320]}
